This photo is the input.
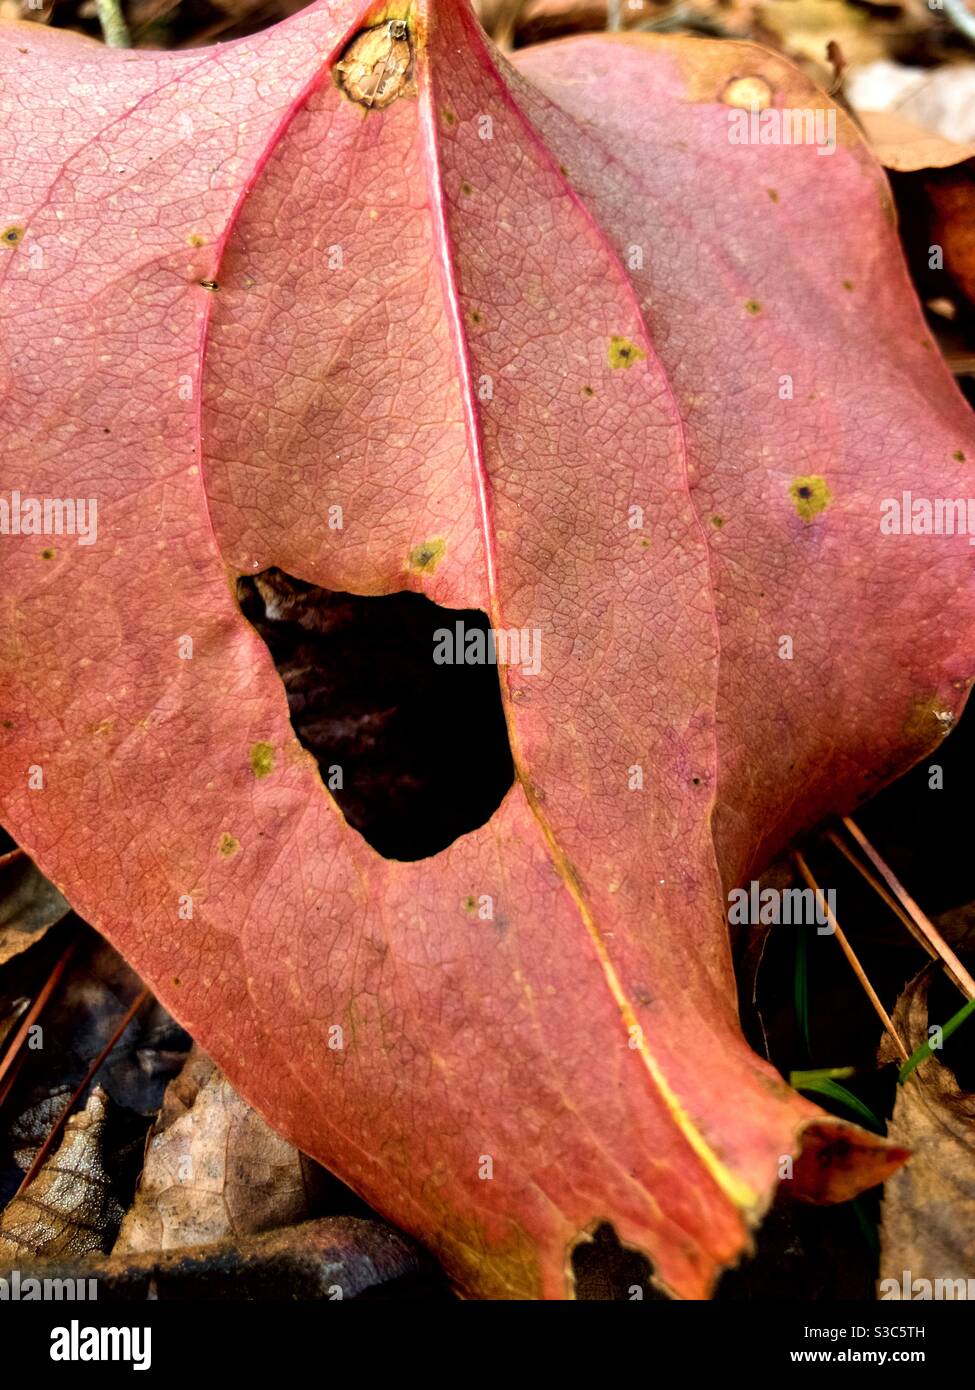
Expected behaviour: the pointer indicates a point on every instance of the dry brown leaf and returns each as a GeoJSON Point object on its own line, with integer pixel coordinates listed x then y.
{"type": "Point", "coordinates": [927, 1226]}
{"type": "Point", "coordinates": [939, 99]}
{"type": "Point", "coordinates": [214, 1170]}
{"type": "Point", "coordinates": [336, 1257]}
{"type": "Point", "coordinates": [29, 904]}
{"type": "Point", "coordinates": [69, 1209]}
{"type": "Point", "coordinates": [905, 146]}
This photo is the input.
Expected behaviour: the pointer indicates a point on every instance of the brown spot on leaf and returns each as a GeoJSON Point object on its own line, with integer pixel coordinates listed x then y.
{"type": "Point", "coordinates": [377, 65]}
{"type": "Point", "coordinates": [928, 721]}
{"type": "Point", "coordinates": [12, 236]}
{"type": "Point", "coordinates": [427, 557]}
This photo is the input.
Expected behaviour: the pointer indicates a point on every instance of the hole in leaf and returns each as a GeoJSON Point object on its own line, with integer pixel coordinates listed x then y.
{"type": "Point", "coordinates": [414, 753]}
{"type": "Point", "coordinates": [604, 1269]}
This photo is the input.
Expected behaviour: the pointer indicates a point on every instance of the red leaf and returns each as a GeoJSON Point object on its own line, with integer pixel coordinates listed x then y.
{"type": "Point", "coordinates": [235, 298]}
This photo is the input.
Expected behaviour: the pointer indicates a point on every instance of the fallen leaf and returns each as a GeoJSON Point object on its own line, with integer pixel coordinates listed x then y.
{"type": "Point", "coordinates": [939, 99]}
{"type": "Point", "coordinates": [214, 1172]}
{"type": "Point", "coordinates": [335, 1258]}
{"type": "Point", "coordinates": [952, 197]}
{"type": "Point", "coordinates": [928, 1212]}
{"type": "Point", "coordinates": [29, 904]}
{"type": "Point", "coordinates": [486, 322]}
{"type": "Point", "coordinates": [69, 1209]}
{"type": "Point", "coordinates": [904, 146]}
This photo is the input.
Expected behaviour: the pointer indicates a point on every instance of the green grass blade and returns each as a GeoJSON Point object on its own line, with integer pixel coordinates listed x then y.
{"type": "Point", "coordinates": [926, 1050]}
{"type": "Point", "coordinates": [826, 1086]}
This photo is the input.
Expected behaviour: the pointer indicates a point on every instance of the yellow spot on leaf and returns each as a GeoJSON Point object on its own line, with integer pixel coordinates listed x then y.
{"type": "Point", "coordinates": [262, 759]}
{"type": "Point", "coordinates": [623, 353]}
{"type": "Point", "coordinates": [811, 496]}
{"type": "Point", "coordinates": [12, 236]}
{"type": "Point", "coordinates": [747, 93]}
{"type": "Point", "coordinates": [47, 553]}
{"type": "Point", "coordinates": [752, 306]}
{"type": "Point", "coordinates": [194, 239]}
{"type": "Point", "coordinates": [959, 456]}
{"type": "Point", "coordinates": [427, 557]}
{"type": "Point", "coordinates": [228, 844]}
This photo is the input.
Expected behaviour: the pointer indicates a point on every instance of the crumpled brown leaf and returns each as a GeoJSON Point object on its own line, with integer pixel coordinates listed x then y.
{"type": "Point", "coordinates": [927, 1226]}
{"type": "Point", "coordinates": [29, 904]}
{"type": "Point", "coordinates": [214, 1169]}
{"type": "Point", "coordinates": [70, 1208]}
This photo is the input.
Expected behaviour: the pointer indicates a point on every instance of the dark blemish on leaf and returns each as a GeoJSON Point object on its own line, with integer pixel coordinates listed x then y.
{"type": "Point", "coordinates": [47, 554]}
{"type": "Point", "coordinates": [772, 194]}
{"type": "Point", "coordinates": [427, 557]}
{"type": "Point", "coordinates": [106, 430]}
{"type": "Point", "coordinates": [959, 456]}
{"type": "Point", "coordinates": [696, 781]}
{"type": "Point", "coordinates": [752, 306]}
{"type": "Point", "coordinates": [588, 391]}
{"type": "Point", "coordinates": [475, 316]}
{"type": "Point", "coordinates": [262, 759]}
{"type": "Point", "coordinates": [209, 285]}
{"type": "Point", "coordinates": [848, 284]}
{"type": "Point", "coordinates": [194, 239]}
{"type": "Point", "coordinates": [8, 723]}
{"type": "Point", "coordinates": [469, 904]}
{"type": "Point", "coordinates": [644, 543]}
{"type": "Point", "coordinates": [623, 353]}
{"type": "Point", "coordinates": [810, 495]}
{"type": "Point", "coordinates": [717, 521]}
{"type": "Point", "coordinates": [12, 236]}
{"type": "Point", "coordinates": [448, 116]}
{"type": "Point", "coordinates": [176, 980]}
{"type": "Point", "coordinates": [228, 844]}
{"type": "Point", "coordinates": [563, 171]}
{"type": "Point", "coordinates": [377, 65]}
{"type": "Point", "coordinates": [466, 188]}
